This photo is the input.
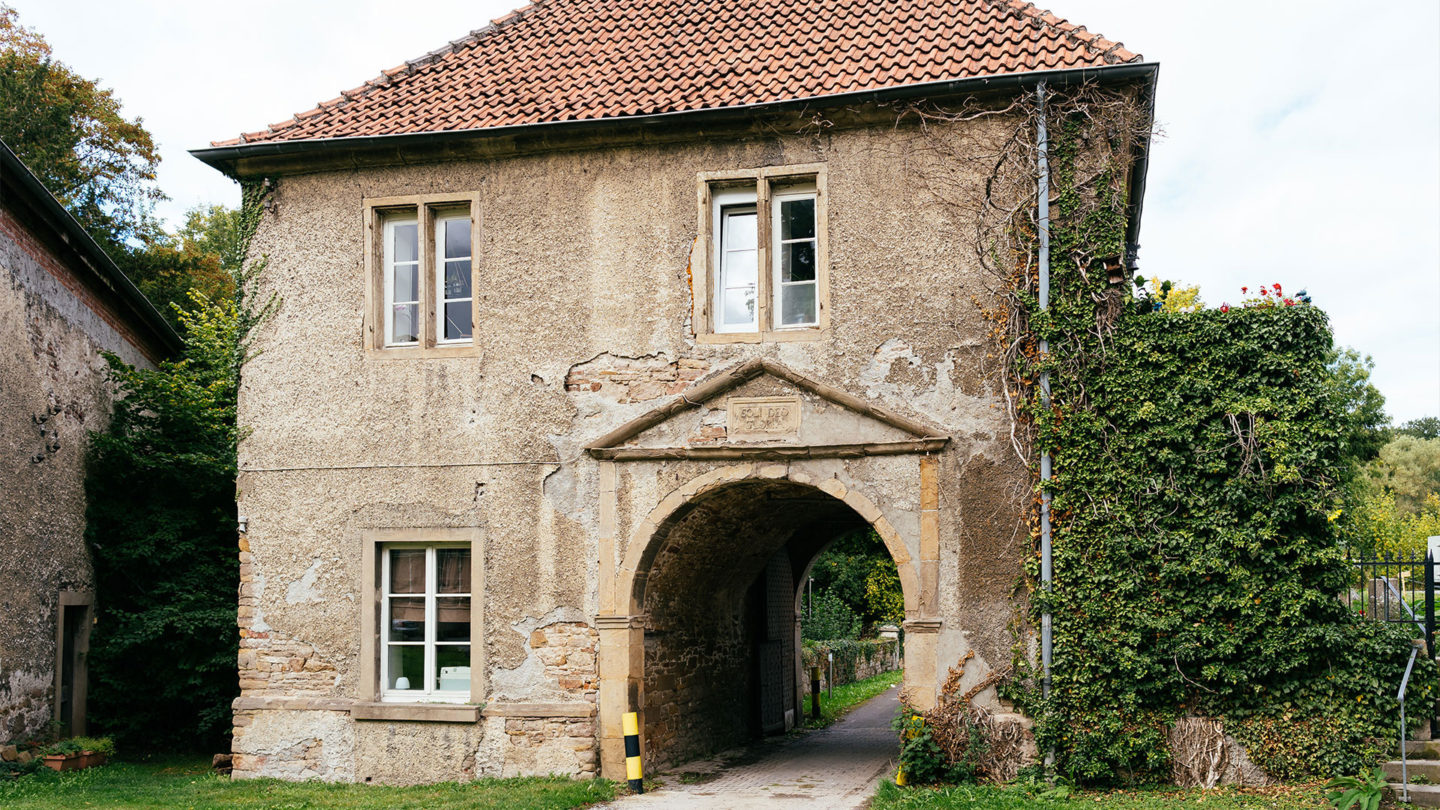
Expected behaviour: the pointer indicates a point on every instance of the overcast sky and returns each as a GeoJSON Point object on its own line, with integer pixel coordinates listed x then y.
{"type": "Point", "coordinates": [1301, 139]}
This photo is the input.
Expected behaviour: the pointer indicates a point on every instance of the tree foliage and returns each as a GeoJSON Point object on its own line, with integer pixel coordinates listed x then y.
{"type": "Point", "coordinates": [1426, 427]}
{"type": "Point", "coordinates": [829, 617]}
{"type": "Point", "coordinates": [859, 571]}
{"type": "Point", "coordinates": [161, 491]}
{"type": "Point", "coordinates": [71, 133]}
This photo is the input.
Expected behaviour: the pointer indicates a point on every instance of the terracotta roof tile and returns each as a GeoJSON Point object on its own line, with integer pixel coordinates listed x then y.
{"type": "Point", "coordinates": [560, 60]}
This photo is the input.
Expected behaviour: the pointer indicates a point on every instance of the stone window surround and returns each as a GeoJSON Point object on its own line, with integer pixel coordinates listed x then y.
{"type": "Point", "coordinates": [369, 706]}
{"type": "Point", "coordinates": [426, 207]}
{"type": "Point", "coordinates": [705, 275]}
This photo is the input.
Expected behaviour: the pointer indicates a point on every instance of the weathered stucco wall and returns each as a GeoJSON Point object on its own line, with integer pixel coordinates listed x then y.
{"type": "Point", "coordinates": [53, 390]}
{"type": "Point", "coordinates": [585, 311]}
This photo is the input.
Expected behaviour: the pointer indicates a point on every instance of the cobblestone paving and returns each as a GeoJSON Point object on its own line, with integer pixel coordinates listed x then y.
{"type": "Point", "coordinates": [836, 767]}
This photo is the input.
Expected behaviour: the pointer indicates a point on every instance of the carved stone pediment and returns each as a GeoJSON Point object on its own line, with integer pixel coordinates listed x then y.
{"type": "Point", "coordinates": [760, 410]}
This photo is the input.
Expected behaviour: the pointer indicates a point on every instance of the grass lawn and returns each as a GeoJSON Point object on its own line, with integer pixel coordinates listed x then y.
{"type": "Point", "coordinates": [985, 797]}
{"type": "Point", "coordinates": [190, 785]}
{"type": "Point", "coordinates": [848, 697]}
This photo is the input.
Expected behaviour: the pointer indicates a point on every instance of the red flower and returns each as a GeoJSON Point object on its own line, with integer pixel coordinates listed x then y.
{"type": "Point", "coordinates": [1264, 291]}
{"type": "Point", "coordinates": [1244, 289]}
{"type": "Point", "coordinates": [1289, 303]}
{"type": "Point", "coordinates": [1224, 307]}
{"type": "Point", "coordinates": [1277, 288]}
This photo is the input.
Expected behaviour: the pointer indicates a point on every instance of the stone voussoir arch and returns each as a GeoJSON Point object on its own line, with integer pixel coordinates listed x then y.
{"type": "Point", "coordinates": [647, 538]}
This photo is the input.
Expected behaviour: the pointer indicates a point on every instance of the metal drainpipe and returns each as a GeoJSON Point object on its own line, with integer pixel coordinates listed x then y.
{"type": "Point", "coordinates": [1044, 216]}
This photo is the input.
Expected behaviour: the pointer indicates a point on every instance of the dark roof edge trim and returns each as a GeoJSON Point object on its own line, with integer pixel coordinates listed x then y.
{"type": "Point", "coordinates": [34, 193]}
{"type": "Point", "coordinates": [224, 157]}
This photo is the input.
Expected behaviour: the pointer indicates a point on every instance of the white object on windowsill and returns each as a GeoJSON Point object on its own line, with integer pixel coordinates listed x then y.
{"type": "Point", "coordinates": [454, 679]}
{"type": "Point", "coordinates": [402, 682]}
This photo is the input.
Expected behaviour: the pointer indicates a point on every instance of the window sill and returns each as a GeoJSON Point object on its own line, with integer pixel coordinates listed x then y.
{"type": "Point", "coordinates": [412, 352]}
{"type": "Point", "coordinates": [417, 712]}
{"type": "Point", "coordinates": [773, 336]}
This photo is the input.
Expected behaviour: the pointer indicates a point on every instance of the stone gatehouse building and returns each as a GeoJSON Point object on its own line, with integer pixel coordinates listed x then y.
{"type": "Point", "coordinates": [597, 326]}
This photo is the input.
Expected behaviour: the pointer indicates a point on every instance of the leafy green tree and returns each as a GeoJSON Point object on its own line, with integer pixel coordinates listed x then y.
{"type": "Point", "coordinates": [71, 133]}
{"type": "Point", "coordinates": [829, 618]}
{"type": "Point", "coordinates": [161, 528]}
{"type": "Point", "coordinates": [1426, 427]}
{"type": "Point", "coordinates": [1409, 468]}
{"type": "Point", "coordinates": [1363, 406]}
{"type": "Point", "coordinates": [858, 570]}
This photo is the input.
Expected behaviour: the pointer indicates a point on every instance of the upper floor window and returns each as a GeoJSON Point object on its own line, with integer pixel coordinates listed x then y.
{"type": "Point", "coordinates": [764, 272]}
{"type": "Point", "coordinates": [422, 266]}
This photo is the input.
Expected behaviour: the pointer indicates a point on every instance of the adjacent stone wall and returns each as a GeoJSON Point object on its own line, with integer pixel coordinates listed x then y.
{"type": "Point", "coordinates": [53, 392]}
{"type": "Point", "coordinates": [854, 661]}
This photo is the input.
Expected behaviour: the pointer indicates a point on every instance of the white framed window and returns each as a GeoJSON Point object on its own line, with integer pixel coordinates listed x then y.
{"type": "Point", "coordinates": [425, 623]}
{"type": "Point", "coordinates": [796, 257]}
{"type": "Point", "coordinates": [421, 260]}
{"type": "Point", "coordinates": [737, 249]}
{"type": "Point", "coordinates": [454, 282]}
{"type": "Point", "coordinates": [764, 274]}
{"type": "Point", "coordinates": [402, 280]}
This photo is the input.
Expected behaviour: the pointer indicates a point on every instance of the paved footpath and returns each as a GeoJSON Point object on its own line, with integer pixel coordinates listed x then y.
{"type": "Point", "coordinates": [836, 767]}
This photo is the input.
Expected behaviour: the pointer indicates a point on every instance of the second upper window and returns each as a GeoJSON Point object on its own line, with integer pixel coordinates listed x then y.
{"type": "Point", "coordinates": [765, 264]}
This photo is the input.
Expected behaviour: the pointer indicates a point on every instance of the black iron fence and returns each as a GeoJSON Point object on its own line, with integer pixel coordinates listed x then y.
{"type": "Point", "coordinates": [1395, 589]}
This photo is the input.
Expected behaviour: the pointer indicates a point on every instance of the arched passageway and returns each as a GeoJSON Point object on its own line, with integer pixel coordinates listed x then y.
{"type": "Point", "coordinates": [718, 588]}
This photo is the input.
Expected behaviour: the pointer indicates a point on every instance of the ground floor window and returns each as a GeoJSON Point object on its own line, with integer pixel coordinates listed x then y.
{"type": "Point", "coordinates": [425, 627]}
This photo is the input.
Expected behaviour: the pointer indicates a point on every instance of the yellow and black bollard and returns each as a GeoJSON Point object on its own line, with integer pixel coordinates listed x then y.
{"type": "Point", "coordinates": [632, 752]}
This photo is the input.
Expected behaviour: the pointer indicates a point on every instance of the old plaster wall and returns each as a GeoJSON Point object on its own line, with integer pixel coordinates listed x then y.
{"type": "Point", "coordinates": [53, 391]}
{"type": "Point", "coordinates": [584, 270]}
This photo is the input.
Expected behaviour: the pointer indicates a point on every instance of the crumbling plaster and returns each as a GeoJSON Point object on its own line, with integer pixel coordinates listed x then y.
{"type": "Point", "coordinates": [585, 254]}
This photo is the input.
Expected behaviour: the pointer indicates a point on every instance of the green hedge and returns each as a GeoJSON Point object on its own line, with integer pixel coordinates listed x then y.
{"type": "Point", "coordinates": [850, 655]}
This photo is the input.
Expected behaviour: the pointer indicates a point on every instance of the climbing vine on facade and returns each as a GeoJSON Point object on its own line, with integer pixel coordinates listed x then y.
{"type": "Point", "coordinates": [1196, 457]}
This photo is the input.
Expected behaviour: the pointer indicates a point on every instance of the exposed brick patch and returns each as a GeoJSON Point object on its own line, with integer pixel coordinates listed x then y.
{"type": "Point", "coordinates": [576, 736]}
{"type": "Point", "coordinates": [567, 649]}
{"type": "Point", "coordinates": [272, 665]}
{"type": "Point", "coordinates": [634, 379]}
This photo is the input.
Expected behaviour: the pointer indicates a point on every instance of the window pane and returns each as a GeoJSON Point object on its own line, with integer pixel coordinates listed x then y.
{"type": "Point", "coordinates": [797, 304]}
{"type": "Point", "coordinates": [797, 261]}
{"type": "Point", "coordinates": [457, 238]}
{"type": "Point", "coordinates": [797, 219]}
{"type": "Point", "coordinates": [739, 306]}
{"type": "Point", "coordinates": [741, 268]}
{"type": "Point", "coordinates": [739, 231]}
{"type": "Point", "coordinates": [407, 618]}
{"type": "Point", "coordinates": [457, 279]}
{"type": "Point", "coordinates": [407, 570]}
{"type": "Point", "coordinates": [452, 619]}
{"type": "Point", "coordinates": [405, 323]}
{"type": "Point", "coordinates": [457, 320]}
{"type": "Point", "coordinates": [453, 575]}
{"type": "Point", "coordinates": [452, 668]}
{"type": "Point", "coordinates": [404, 248]}
{"type": "Point", "coordinates": [407, 283]}
{"type": "Point", "coordinates": [407, 667]}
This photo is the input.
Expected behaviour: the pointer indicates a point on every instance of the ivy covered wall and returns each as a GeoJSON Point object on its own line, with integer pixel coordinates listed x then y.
{"type": "Point", "coordinates": [1197, 459]}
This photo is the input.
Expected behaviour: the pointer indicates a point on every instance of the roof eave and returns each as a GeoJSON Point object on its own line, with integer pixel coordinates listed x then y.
{"type": "Point", "coordinates": [74, 236]}
{"type": "Point", "coordinates": [227, 158]}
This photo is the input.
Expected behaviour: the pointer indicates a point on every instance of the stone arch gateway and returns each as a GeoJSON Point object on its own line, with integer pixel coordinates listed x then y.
{"type": "Point", "coordinates": [690, 533]}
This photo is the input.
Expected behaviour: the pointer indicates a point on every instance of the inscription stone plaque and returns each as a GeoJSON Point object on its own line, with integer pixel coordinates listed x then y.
{"type": "Point", "coordinates": [762, 417]}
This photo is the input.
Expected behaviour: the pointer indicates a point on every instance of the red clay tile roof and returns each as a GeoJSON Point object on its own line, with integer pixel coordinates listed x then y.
{"type": "Point", "coordinates": [563, 60]}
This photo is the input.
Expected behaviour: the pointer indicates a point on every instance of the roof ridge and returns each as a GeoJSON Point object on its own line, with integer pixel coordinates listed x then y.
{"type": "Point", "coordinates": [388, 77]}
{"type": "Point", "coordinates": [1090, 40]}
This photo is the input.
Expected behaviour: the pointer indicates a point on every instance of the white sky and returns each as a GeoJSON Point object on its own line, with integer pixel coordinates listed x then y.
{"type": "Point", "coordinates": [1302, 139]}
